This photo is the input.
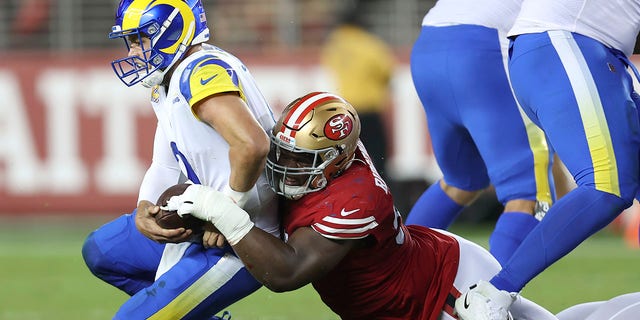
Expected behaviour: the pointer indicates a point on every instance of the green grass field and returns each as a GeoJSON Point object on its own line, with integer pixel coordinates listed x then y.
{"type": "Point", "coordinates": [42, 276]}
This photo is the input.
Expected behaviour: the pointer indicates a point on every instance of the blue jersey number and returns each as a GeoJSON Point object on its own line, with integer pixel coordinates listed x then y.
{"type": "Point", "coordinates": [184, 163]}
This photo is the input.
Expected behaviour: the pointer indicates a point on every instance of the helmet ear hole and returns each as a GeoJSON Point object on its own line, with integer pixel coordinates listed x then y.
{"type": "Point", "coordinates": [157, 60]}
{"type": "Point", "coordinates": [332, 154]}
{"type": "Point", "coordinates": [150, 30]}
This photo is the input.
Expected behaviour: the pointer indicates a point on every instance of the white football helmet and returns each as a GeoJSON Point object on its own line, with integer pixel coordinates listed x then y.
{"type": "Point", "coordinates": [314, 140]}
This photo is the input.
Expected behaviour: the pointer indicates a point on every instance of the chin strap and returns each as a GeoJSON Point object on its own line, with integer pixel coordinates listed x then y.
{"type": "Point", "coordinates": [292, 192]}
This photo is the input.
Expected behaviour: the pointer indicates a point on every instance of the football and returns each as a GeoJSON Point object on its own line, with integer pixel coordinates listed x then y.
{"type": "Point", "coordinates": [171, 219]}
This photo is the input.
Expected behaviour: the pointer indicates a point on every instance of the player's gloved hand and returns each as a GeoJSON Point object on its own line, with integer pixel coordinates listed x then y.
{"type": "Point", "coordinates": [240, 198]}
{"type": "Point", "coordinates": [211, 205]}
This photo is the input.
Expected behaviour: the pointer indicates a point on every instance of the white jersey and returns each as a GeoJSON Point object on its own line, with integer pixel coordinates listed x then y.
{"type": "Point", "coordinates": [498, 14]}
{"type": "Point", "coordinates": [189, 148]}
{"type": "Point", "coordinates": [615, 23]}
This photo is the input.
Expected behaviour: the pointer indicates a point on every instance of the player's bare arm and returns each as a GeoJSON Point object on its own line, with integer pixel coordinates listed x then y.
{"type": "Point", "coordinates": [228, 114]}
{"type": "Point", "coordinates": [281, 266]}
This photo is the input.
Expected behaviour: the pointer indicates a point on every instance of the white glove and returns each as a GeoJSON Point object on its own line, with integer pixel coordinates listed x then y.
{"type": "Point", "coordinates": [240, 198]}
{"type": "Point", "coordinates": [208, 204]}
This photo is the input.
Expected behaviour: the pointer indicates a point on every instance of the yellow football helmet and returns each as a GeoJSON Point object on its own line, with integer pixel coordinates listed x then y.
{"type": "Point", "coordinates": [314, 140]}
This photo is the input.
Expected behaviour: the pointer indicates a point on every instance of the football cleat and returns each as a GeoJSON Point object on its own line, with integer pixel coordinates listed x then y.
{"type": "Point", "coordinates": [483, 301]}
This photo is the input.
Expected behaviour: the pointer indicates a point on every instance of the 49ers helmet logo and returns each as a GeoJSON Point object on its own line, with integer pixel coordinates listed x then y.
{"type": "Point", "coordinates": [338, 127]}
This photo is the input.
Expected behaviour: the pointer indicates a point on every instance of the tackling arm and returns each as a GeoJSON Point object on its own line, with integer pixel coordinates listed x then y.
{"type": "Point", "coordinates": [280, 266]}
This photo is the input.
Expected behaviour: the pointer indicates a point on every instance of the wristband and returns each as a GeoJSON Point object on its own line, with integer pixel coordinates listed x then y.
{"type": "Point", "coordinates": [240, 198]}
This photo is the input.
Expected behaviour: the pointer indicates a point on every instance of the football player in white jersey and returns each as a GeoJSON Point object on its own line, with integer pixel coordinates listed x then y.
{"type": "Point", "coordinates": [479, 134]}
{"type": "Point", "coordinates": [571, 74]}
{"type": "Point", "coordinates": [212, 130]}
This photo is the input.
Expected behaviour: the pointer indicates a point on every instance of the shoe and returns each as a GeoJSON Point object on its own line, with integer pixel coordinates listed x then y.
{"type": "Point", "coordinates": [484, 302]}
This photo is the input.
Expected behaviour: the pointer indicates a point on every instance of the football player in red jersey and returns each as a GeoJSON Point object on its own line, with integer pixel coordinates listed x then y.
{"type": "Point", "coordinates": [343, 233]}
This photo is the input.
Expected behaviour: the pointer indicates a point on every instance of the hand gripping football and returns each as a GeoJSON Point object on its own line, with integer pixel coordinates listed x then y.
{"type": "Point", "coordinates": [170, 219]}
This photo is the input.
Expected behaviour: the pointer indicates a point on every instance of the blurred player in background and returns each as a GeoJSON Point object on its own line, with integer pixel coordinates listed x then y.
{"type": "Point", "coordinates": [569, 71]}
{"type": "Point", "coordinates": [343, 233]}
{"type": "Point", "coordinates": [212, 123]}
{"type": "Point", "coordinates": [479, 134]}
{"type": "Point", "coordinates": [362, 66]}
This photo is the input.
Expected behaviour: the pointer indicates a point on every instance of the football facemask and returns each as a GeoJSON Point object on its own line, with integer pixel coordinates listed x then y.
{"type": "Point", "coordinates": [313, 142]}
{"type": "Point", "coordinates": [294, 173]}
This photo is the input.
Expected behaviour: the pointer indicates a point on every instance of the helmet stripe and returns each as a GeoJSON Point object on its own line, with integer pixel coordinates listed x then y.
{"type": "Point", "coordinates": [298, 103]}
{"type": "Point", "coordinates": [302, 109]}
{"type": "Point", "coordinates": [137, 8]}
{"type": "Point", "coordinates": [133, 14]}
{"type": "Point", "coordinates": [187, 19]}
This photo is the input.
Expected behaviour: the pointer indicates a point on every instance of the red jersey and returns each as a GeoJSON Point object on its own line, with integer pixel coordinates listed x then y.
{"type": "Point", "coordinates": [405, 273]}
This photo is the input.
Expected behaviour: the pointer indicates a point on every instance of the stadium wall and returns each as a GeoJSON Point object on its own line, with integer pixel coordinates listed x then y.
{"type": "Point", "coordinates": [73, 139]}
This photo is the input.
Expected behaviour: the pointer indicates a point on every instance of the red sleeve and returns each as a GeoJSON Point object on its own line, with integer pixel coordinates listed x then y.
{"type": "Point", "coordinates": [352, 220]}
{"type": "Point", "coordinates": [356, 209]}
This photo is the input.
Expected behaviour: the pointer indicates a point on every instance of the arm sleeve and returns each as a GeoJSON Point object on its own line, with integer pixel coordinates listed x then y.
{"type": "Point", "coordinates": [208, 76]}
{"type": "Point", "coordinates": [345, 228]}
{"type": "Point", "coordinates": [163, 171]}
{"type": "Point", "coordinates": [357, 209]}
{"type": "Point", "coordinates": [352, 219]}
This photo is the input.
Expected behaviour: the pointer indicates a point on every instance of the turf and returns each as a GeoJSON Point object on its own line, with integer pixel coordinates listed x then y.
{"type": "Point", "coordinates": [42, 276]}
